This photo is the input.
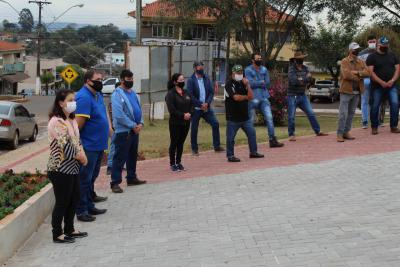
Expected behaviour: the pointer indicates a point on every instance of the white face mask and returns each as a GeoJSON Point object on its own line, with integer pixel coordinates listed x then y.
{"type": "Point", "coordinates": [372, 45]}
{"type": "Point", "coordinates": [71, 107]}
{"type": "Point", "coordinates": [238, 77]}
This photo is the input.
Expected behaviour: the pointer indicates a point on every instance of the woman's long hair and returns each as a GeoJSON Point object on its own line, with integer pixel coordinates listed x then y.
{"type": "Point", "coordinates": [174, 79]}
{"type": "Point", "coordinates": [57, 110]}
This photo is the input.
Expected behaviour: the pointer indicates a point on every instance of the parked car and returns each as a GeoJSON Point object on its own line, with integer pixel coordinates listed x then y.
{"type": "Point", "coordinates": [109, 85]}
{"type": "Point", "coordinates": [16, 123]}
{"type": "Point", "coordinates": [326, 89]}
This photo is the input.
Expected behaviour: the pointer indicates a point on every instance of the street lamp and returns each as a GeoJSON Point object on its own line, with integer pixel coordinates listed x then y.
{"type": "Point", "coordinates": [76, 51]}
{"type": "Point", "coordinates": [56, 18]}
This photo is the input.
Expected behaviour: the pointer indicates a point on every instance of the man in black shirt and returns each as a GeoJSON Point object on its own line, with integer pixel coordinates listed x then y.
{"type": "Point", "coordinates": [237, 96]}
{"type": "Point", "coordinates": [384, 68]}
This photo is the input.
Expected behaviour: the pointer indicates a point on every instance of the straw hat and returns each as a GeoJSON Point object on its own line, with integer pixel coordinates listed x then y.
{"type": "Point", "coordinates": [299, 55]}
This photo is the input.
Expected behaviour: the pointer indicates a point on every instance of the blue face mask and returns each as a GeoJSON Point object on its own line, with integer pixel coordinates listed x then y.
{"type": "Point", "coordinates": [200, 72]}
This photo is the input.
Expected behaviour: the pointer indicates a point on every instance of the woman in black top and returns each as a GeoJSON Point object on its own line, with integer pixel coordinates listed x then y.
{"type": "Point", "coordinates": [180, 108]}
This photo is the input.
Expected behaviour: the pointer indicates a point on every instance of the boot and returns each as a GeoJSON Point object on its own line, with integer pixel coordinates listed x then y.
{"type": "Point", "coordinates": [275, 143]}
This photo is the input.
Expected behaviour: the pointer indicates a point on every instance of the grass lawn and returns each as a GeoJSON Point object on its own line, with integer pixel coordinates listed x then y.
{"type": "Point", "coordinates": [154, 139]}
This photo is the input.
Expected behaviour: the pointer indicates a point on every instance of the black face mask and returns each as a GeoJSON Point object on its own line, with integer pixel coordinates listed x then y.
{"type": "Point", "coordinates": [97, 85]}
{"type": "Point", "coordinates": [181, 84]}
{"type": "Point", "coordinates": [299, 61]}
{"type": "Point", "coordinates": [200, 72]}
{"type": "Point", "coordinates": [258, 62]}
{"type": "Point", "coordinates": [128, 84]}
{"type": "Point", "coordinates": [384, 49]}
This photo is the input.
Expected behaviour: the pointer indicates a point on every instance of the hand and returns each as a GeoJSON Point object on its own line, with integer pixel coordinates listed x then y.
{"type": "Point", "coordinates": [187, 116]}
{"type": "Point", "coordinates": [246, 81]}
{"type": "Point", "coordinates": [354, 72]}
{"type": "Point", "coordinates": [138, 128]}
{"type": "Point", "coordinates": [390, 84]}
{"type": "Point", "coordinates": [236, 97]}
{"type": "Point", "coordinates": [383, 84]}
{"type": "Point", "coordinates": [110, 132]}
{"type": "Point", "coordinates": [204, 106]}
{"type": "Point", "coordinates": [81, 157]}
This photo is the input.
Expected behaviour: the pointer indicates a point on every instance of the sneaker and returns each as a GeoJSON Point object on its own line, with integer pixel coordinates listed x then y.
{"type": "Point", "coordinates": [256, 156]}
{"type": "Point", "coordinates": [180, 167]}
{"type": "Point", "coordinates": [233, 159]}
{"type": "Point", "coordinates": [135, 182]}
{"type": "Point", "coordinates": [174, 168]}
{"type": "Point", "coordinates": [273, 143]}
{"type": "Point", "coordinates": [219, 149]}
{"type": "Point", "coordinates": [365, 125]}
{"type": "Point", "coordinates": [116, 189]}
{"type": "Point", "coordinates": [195, 153]}
{"type": "Point", "coordinates": [292, 138]}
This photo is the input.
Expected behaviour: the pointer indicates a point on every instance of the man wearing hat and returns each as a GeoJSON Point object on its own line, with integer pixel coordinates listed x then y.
{"type": "Point", "coordinates": [201, 91]}
{"type": "Point", "coordinates": [237, 96]}
{"type": "Point", "coordinates": [299, 77]}
{"type": "Point", "coordinates": [352, 73]}
{"type": "Point", "coordinates": [384, 69]}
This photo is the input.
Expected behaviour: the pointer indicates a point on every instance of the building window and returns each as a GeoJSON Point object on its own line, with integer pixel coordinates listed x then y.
{"type": "Point", "coordinates": [169, 31]}
{"type": "Point", "coordinates": [157, 30]}
{"type": "Point", "coordinates": [276, 37]}
{"type": "Point", "coordinates": [211, 34]}
{"type": "Point", "coordinates": [197, 33]}
{"type": "Point", "coordinates": [243, 36]}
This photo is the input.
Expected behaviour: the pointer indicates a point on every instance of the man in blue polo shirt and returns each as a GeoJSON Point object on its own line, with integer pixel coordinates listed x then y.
{"type": "Point", "coordinates": [91, 116]}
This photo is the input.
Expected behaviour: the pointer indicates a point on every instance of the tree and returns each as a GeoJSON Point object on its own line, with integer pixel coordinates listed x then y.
{"type": "Point", "coordinates": [84, 55]}
{"type": "Point", "coordinates": [327, 46]}
{"type": "Point", "coordinates": [26, 20]}
{"type": "Point", "coordinates": [9, 27]}
{"type": "Point", "coordinates": [390, 7]}
{"type": "Point", "coordinates": [47, 78]}
{"type": "Point", "coordinates": [378, 31]}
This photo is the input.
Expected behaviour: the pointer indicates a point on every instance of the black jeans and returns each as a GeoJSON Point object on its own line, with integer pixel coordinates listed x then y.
{"type": "Point", "coordinates": [177, 135]}
{"type": "Point", "coordinates": [66, 191]}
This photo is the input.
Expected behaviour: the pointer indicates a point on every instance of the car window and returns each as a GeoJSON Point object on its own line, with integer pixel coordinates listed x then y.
{"type": "Point", "coordinates": [20, 111]}
{"type": "Point", "coordinates": [4, 110]}
{"type": "Point", "coordinates": [110, 82]}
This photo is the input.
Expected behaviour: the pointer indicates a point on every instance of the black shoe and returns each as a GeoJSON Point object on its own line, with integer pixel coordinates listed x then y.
{"type": "Point", "coordinates": [108, 171]}
{"type": "Point", "coordinates": [233, 159]}
{"type": "Point", "coordinates": [97, 199]}
{"type": "Point", "coordinates": [275, 143]}
{"type": "Point", "coordinates": [77, 234]}
{"type": "Point", "coordinates": [180, 167]}
{"type": "Point", "coordinates": [86, 218]}
{"type": "Point", "coordinates": [96, 211]}
{"type": "Point", "coordinates": [256, 156]}
{"type": "Point", "coordinates": [116, 189]}
{"type": "Point", "coordinates": [135, 182]}
{"type": "Point", "coordinates": [195, 153]}
{"type": "Point", "coordinates": [67, 239]}
{"type": "Point", "coordinates": [174, 168]}
{"type": "Point", "coordinates": [219, 149]}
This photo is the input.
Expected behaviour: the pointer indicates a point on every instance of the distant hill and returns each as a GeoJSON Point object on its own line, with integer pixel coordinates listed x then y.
{"type": "Point", "coordinates": [60, 25]}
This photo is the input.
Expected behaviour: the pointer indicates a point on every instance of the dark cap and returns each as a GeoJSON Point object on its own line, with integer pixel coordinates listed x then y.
{"type": "Point", "coordinates": [198, 63]}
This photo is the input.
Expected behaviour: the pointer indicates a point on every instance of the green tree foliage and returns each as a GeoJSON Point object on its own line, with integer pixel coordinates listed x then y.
{"type": "Point", "coordinates": [9, 27]}
{"type": "Point", "coordinates": [85, 55]}
{"type": "Point", "coordinates": [26, 20]}
{"type": "Point", "coordinates": [378, 31]}
{"type": "Point", "coordinates": [46, 78]}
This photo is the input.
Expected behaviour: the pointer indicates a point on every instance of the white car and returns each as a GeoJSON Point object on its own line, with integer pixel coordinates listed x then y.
{"type": "Point", "coordinates": [324, 90]}
{"type": "Point", "coordinates": [109, 85]}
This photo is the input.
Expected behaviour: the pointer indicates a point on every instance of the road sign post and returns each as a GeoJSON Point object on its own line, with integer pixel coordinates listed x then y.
{"type": "Point", "coordinates": [69, 75]}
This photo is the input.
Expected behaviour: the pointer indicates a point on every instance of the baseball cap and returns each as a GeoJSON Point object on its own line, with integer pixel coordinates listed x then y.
{"type": "Point", "coordinates": [354, 46]}
{"type": "Point", "coordinates": [383, 40]}
{"type": "Point", "coordinates": [198, 63]}
{"type": "Point", "coordinates": [237, 68]}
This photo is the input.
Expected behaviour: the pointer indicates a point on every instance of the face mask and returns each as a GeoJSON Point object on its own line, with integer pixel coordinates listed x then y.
{"type": "Point", "coordinates": [258, 62]}
{"type": "Point", "coordinates": [384, 49]}
{"type": "Point", "coordinates": [356, 52]}
{"type": "Point", "coordinates": [71, 107]}
{"type": "Point", "coordinates": [300, 61]}
{"type": "Point", "coordinates": [128, 84]}
{"type": "Point", "coordinates": [180, 84]}
{"type": "Point", "coordinates": [97, 85]}
{"type": "Point", "coordinates": [372, 46]}
{"type": "Point", "coordinates": [200, 72]}
{"type": "Point", "coordinates": [238, 77]}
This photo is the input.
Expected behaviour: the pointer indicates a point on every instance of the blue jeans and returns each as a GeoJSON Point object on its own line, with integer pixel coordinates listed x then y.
{"type": "Point", "coordinates": [111, 152]}
{"type": "Point", "coordinates": [126, 151]}
{"type": "Point", "coordinates": [261, 102]}
{"type": "Point", "coordinates": [211, 119]}
{"type": "Point", "coordinates": [365, 107]}
{"type": "Point", "coordinates": [231, 131]}
{"type": "Point", "coordinates": [87, 176]}
{"type": "Point", "coordinates": [378, 94]}
{"type": "Point", "coordinates": [304, 104]}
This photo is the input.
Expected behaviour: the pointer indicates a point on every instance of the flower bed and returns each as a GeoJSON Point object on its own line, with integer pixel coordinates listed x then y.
{"type": "Point", "coordinates": [16, 188]}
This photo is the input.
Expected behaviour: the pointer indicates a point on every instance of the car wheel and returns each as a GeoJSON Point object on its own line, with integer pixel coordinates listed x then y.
{"type": "Point", "coordinates": [15, 141]}
{"type": "Point", "coordinates": [34, 134]}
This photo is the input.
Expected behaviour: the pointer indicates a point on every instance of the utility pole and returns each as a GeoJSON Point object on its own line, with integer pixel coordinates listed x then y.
{"type": "Point", "coordinates": [138, 22]}
{"type": "Point", "coordinates": [111, 61]}
{"type": "Point", "coordinates": [39, 42]}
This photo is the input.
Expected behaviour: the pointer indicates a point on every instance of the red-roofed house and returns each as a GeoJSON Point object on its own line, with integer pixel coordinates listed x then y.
{"type": "Point", "coordinates": [12, 67]}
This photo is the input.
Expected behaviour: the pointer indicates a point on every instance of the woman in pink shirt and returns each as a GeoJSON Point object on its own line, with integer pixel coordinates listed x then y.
{"type": "Point", "coordinates": [66, 157]}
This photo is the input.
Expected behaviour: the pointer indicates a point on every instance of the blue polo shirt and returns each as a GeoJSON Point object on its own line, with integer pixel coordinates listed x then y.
{"type": "Point", "coordinates": [137, 111]}
{"type": "Point", "coordinates": [94, 134]}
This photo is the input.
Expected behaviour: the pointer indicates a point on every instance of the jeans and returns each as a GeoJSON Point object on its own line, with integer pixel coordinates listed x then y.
{"type": "Point", "coordinates": [261, 102]}
{"type": "Point", "coordinates": [304, 104]}
{"type": "Point", "coordinates": [126, 151]}
{"type": "Point", "coordinates": [178, 134]}
{"type": "Point", "coordinates": [231, 131]}
{"type": "Point", "coordinates": [66, 192]}
{"type": "Point", "coordinates": [87, 176]}
{"type": "Point", "coordinates": [347, 109]}
{"type": "Point", "coordinates": [211, 119]}
{"type": "Point", "coordinates": [378, 94]}
{"type": "Point", "coordinates": [111, 152]}
{"type": "Point", "coordinates": [365, 105]}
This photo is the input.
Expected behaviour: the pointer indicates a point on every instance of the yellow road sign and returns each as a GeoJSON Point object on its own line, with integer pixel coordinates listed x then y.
{"type": "Point", "coordinates": [69, 74]}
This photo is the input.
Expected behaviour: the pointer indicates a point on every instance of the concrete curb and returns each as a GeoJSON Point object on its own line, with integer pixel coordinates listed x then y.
{"type": "Point", "coordinates": [18, 227]}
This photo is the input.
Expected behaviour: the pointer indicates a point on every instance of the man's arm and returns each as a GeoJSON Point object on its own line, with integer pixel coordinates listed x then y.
{"type": "Point", "coordinates": [347, 73]}
{"type": "Point", "coordinates": [119, 115]}
{"type": "Point", "coordinates": [375, 77]}
{"type": "Point", "coordinates": [252, 79]}
{"type": "Point", "coordinates": [81, 121]}
{"type": "Point", "coordinates": [395, 76]}
{"type": "Point", "coordinates": [267, 79]}
{"type": "Point", "coordinates": [190, 90]}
